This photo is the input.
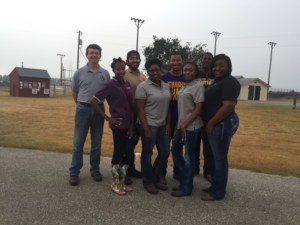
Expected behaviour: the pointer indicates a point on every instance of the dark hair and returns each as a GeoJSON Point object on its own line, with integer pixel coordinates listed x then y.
{"type": "Point", "coordinates": [132, 52]}
{"type": "Point", "coordinates": [93, 46]}
{"type": "Point", "coordinates": [208, 53]}
{"type": "Point", "coordinates": [176, 53]}
{"type": "Point", "coordinates": [225, 58]}
{"type": "Point", "coordinates": [115, 61]}
{"type": "Point", "coordinates": [193, 64]}
{"type": "Point", "coordinates": [151, 62]}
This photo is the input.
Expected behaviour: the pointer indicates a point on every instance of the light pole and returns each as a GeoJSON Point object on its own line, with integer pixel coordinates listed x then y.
{"type": "Point", "coordinates": [78, 47]}
{"type": "Point", "coordinates": [272, 46]}
{"type": "Point", "coordinates": [61, 56]}
{"type": "Point", "coordinates": [138, 23]}
{"type": "Point", "coordinates": [216, 34]}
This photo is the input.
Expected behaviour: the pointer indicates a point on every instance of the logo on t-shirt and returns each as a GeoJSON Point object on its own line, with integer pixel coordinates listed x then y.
{"type": "Point", "coordinates": [102, 78]}
{"type": "Point", "coordinates": [175, 86]}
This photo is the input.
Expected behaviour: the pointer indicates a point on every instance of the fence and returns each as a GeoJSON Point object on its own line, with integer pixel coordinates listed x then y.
{"type": "Point", "coordinates": [281, 93]}
{"type": "Point", "coordinates": [60, 90]}
{"type": "Point", "coordinates": [54, 90]}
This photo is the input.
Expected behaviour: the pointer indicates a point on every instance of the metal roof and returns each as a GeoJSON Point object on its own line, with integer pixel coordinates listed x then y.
{"type": "Point", "coordinates": [238, 77]}
{"type": "Point", "coordinates": [248, 80]}
{"type": "Point", "coordinates": [35, 73]}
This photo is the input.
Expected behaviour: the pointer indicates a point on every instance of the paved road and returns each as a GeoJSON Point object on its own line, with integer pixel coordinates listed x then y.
{"type": "Point", "coordinates": [34, 190]}
{"type": "Point", "coordinates": [270, 103]}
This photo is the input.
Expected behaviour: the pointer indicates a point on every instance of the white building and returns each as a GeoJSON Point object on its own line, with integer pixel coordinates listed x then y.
{"type": "Point", "coordinates": [252, 89]}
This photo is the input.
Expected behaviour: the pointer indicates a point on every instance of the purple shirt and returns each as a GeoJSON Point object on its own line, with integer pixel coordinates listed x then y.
{"type": "Point", "coordinates": [119, 98]}
{"type": "Point", "coordinates": [175, 83]}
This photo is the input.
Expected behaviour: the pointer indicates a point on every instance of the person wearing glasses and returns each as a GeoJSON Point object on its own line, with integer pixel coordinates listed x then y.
{"type": "Point", "coordinates": [152, 99]}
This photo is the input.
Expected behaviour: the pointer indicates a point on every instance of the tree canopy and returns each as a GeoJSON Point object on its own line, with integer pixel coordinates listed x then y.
{"type": "Point", "coordinates": [162, 48]}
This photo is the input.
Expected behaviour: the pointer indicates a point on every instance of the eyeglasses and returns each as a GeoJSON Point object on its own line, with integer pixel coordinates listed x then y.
{"type": "Point", "coordinates": [153, 71]}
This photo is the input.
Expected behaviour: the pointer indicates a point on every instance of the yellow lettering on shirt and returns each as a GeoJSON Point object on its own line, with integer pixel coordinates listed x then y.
{"type": "Point", "coordinates": [175, 86]}
{"type": "Point", "coordinates": [205, 81]}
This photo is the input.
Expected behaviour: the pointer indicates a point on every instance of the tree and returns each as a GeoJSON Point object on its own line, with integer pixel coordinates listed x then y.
{"type": "Point", "coordinates": [5, 79]}
{"type": "Point", "coordinates": [162, 48]}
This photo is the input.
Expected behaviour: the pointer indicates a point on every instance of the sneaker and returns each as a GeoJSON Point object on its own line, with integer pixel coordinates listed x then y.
{"type": "Point", "coordinates": [97, 176]}
{"type": "Point", "coordinates": [207, 197]}
{"type": "Point", "coordinates": [177, 194]}
{"type": "Point", "coordinates": [74, 180]}
{"type": "Point", "coordinates": [127, 181]}
{"type": "Point", "coordinates": [134, 173]}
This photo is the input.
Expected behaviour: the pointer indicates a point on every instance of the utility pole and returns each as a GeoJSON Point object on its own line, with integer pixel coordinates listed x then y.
{"type": "Point", "coordinates": [272, 46]}
{"type": "Point", "coordinates": [79, 44]}
{"type": "Point", "coordinates": [138, 23]}
{"type": "Point", "coordinates": [61, 56]}
{"type": "Point", "coordinates": [216, 34]}
{"type": "Point", "coordinates": [22, 64]}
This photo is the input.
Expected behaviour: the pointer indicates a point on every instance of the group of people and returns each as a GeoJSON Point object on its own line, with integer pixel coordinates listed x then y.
{"type": "Point", "coordinates": [184, 105]}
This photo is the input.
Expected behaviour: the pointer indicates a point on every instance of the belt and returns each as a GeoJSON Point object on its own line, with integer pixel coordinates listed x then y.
{"type": "Point", "coordinates": [87, 104]}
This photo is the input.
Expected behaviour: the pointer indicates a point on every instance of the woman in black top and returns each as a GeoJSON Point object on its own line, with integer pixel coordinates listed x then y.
{"type": "Point", "coordinates": [221, 123]}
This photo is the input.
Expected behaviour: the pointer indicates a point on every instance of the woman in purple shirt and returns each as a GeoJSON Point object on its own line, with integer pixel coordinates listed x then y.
{"type": "Point", "coordinates": [118, 94]}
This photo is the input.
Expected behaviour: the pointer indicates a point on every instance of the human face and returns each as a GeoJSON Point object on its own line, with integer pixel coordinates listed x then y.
{"type": "Point", "coordinates": [133, 62]}
{"type": "Point", "coordinates": [119, 70]}
{"type": "Point", "coordinates": [189, 72]}
{"type": "Point", "coordinates": [93, 56]}
{"type": "Point", "coordinates": [206, 61]}
{"type": "Point", "coordinates": [220, 68]}
{"type": "Point", "coordinates": [154, 73]}
{"type": "Point", "coordinates": [176, 62]}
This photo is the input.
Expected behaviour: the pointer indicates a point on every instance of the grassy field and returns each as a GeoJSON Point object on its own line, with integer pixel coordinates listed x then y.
{"type": "Point", "coordinates": [267, 140]}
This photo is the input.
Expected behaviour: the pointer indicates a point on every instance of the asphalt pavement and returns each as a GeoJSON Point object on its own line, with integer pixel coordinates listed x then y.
{"type": "Point", "coordinates": [34, 189]}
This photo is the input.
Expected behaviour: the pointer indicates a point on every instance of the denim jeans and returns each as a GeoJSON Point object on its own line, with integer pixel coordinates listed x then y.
{"type": "Point", "coordinates": [85, 118]}
{"type": "Point", "coordinates": [216, 149]}
{"type": "Point", "coordinates": [175, 168]}
{"type": "Point", "coordinates": [197, 155]}
{"type": "Point", "coordinates": [186, 165]}
{"type": "Point", "coordinates": [152, 174]}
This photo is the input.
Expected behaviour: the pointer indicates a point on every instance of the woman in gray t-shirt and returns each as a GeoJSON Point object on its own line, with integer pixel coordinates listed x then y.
{"type": "Point", "coordinates": [190, 99]}
{"type": "Point", "coordinates": [152, 99]}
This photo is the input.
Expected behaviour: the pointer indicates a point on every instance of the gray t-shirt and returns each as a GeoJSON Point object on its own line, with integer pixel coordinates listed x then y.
{"type": "Point", "coordinates": [157, 101]}
{"type": "Point", "coordinates": [86, 83]}
{"type": "Point", "coordinates": [190, 94]}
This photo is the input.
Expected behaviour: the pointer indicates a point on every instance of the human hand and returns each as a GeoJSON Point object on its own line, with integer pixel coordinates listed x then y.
{"type": "Point", "coordinates": [148, 135]}
{"type": "Point", "coordinates": [209, 129]}
{"type": "Point", "coordinates": [130, 132]}
{"type": "Point", "coordinates": [115, 121]}
{"type": "Point", "coordinates": [183, 133]}
{"type": "Point", "coordinates": [168, 131]}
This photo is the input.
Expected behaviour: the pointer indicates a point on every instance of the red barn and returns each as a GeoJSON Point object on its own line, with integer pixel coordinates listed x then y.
{"type": "Point", "coordinates": [25, 82]}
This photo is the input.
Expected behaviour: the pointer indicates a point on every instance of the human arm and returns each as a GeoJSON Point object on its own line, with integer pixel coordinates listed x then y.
{"type": "Point", "coordinates": [114, 121]}
{"type": "Point", "coordinates": [131, 129]}
{"type": "Point", "coordinates": [75, 96]}
{"type": "Point", "coordinates": [140, 104]}
{"type": "Point", "coordinates": [168, 126]}
{"type": "Point", "coordinates": [191, 118]}
{"type": "Point", "coordinates": [226, 109]}
{"type": "Point", "coordinates": [230, 93]}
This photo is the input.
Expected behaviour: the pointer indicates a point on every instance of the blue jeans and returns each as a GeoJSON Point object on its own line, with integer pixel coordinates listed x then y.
{"type": "Point", "coordinates": [152, 174]}
{"type": "Point", "coordinates": [85, 118]}
{"type": "Point", "coordinates": [216, 149]}
{"type": "Point", "coordinates": [186, 165]}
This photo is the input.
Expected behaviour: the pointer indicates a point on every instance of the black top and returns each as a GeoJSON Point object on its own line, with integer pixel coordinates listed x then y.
{"type": "Point", "coordinates": [205, 79]}
{"type": "Point", "coordinates": [226, 88]}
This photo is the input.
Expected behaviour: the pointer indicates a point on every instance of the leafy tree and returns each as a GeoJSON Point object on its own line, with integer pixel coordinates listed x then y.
{"type": "Point", "coordinates": [0, 78]}
{"type": "Point", "coordinates": [162, 48]}
{"type": "Point", "coordinates": [5, 79]}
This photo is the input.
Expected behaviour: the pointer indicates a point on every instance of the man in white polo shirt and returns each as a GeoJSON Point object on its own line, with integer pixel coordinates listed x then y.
{"type": "Point", "coordinates": [86, 82]}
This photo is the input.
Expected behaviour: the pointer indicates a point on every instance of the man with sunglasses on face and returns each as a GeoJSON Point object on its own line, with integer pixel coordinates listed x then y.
{"type": "Point", "coordinates": [134, 77]}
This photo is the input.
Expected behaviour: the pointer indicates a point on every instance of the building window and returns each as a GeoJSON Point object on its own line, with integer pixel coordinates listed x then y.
{"type": "Point", "coordinates": [43, 85]}
{"type": "Point", "coordinates": [25, 84]}
{"type": "Point", "coordinates": [21, 84]}
{"type": "Point", "coordinates": [34, 84]}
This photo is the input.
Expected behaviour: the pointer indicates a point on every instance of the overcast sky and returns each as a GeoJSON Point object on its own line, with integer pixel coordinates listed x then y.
{"type": "Point", "coordinates": [34, 32]}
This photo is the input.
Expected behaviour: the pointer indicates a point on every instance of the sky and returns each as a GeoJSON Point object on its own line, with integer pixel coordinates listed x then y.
{"type": "Point", "coordinates": [34, 32]}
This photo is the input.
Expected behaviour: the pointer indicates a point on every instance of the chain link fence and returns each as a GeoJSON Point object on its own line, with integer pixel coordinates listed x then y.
{"type": "Point", "coordinates": [60, 90]}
